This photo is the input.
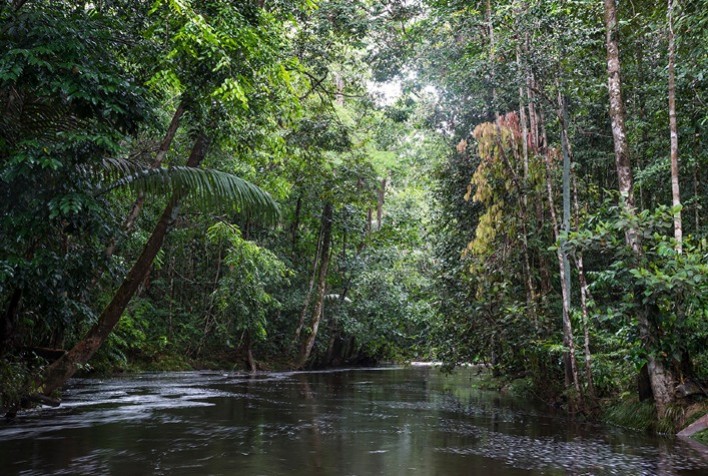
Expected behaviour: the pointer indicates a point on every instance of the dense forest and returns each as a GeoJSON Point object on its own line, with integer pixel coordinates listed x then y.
{"type": "Point", "coordinates": [305, 184]}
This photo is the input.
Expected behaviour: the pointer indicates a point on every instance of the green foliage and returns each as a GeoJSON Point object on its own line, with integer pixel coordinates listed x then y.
{"type": "Point", "coordinates": [673, 285]}
{"type": "Point", "coordinates": [701, 436]}
{"type": "Point", "coordinates": [243, 296]}
{"type": "Point", "coordinates": [442, 241]}
{"type": "Point", "coordinates": [18, 375]}
{"type": "Point", "coordinates": [66, 105]}
{"type": "Point", "coordinates": [210, 186]}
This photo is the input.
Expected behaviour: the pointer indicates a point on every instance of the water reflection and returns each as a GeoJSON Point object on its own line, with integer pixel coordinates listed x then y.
{"type": "Point", "coordinates": [356, 422]}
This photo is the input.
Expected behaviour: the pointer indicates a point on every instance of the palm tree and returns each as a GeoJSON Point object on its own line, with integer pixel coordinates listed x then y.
{"type": "Point", "coordinates": [178, 182]}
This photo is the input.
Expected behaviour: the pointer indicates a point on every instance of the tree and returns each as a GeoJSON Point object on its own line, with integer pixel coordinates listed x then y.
{"type": "Point", "coordinates": [223, 60]}
{"type": "Point", "coordinates": [673, 128]}
{"type": "Point", "coordinates": [662, 381]}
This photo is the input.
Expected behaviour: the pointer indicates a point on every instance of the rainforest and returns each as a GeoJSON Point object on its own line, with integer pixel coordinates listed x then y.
{"type": "Point", "coordinates": [291, 185]}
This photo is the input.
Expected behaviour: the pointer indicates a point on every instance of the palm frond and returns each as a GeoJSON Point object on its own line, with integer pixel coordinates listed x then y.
{"type": "Point", "coordinates": [211, 187]}
{"type": "Point", "coordinates": [117, 168]}
{"type": "Point", "coordinates": [24, 115]}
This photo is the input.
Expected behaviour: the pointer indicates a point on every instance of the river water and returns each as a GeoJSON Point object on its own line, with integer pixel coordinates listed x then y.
{"type": "Point", "coordinates": [387, 421]}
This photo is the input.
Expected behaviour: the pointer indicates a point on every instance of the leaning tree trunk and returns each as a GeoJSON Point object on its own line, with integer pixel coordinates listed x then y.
{"type": "Point", "coordinates": [56, 375]}
{"type": "Point", "coordinates": [662, 380]}
{"type": "Point", "coordinates": [165, 145]}
{"type": "Point", "coordinates": [309, 342]}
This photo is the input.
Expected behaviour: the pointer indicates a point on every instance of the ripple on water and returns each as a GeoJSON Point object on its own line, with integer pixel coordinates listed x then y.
{"type": "Point", "coordinates": [586, 456]}
{"type": "Point", "coordinates": [408, 420]}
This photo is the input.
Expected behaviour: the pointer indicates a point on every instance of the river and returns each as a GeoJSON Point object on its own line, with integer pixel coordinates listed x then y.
{"type": "Point", "coordinates": [383, 421]}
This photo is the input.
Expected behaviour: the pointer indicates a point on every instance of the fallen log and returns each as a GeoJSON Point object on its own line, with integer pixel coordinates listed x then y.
{"type": "Point", "coordinates": [698, 425]}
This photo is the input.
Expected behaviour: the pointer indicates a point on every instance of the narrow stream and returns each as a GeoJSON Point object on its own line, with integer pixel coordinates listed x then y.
{"type": "Point", "coordinates": [411, 421]}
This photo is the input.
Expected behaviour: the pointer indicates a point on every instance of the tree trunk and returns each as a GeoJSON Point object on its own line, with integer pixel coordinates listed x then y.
{"type": "Point", "coordinates": [165, 145]}
{"type": "Point", "coordinates": [617, 117]}
{"type": "Point", "coordinates": [309, 342]}
{"type": "Point", "coordinates": [63, 369]}
{"type": "Point", "coordinates": [564, 264]}
{"type": "Point", "coordinates": [569, 355]}
{"type": "Point", "coordinates": [522, 120]}
{"type": "Point", "coordinates": [675, 191]}
{"type": "Point", "coordinates": [296, 224]}
{"type": "Point", "coordinates": [533, 118]}
{"type": "Point", "coordinates": [584, 298]}
{"type": "Point", "coordinates": [310, 288]}
{"type": "Point", "coordinates": [662, 381]}
{"type": "Point", "coordinates": [492, 57]}
{"type": "Point", "coordinates": [380, 197]}
{"type": "Point", "coordinates": [252, 365]}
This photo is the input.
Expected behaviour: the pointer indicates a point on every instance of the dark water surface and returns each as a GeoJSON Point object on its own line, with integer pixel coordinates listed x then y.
{"type": "Point", "coordinates": [350, 422]}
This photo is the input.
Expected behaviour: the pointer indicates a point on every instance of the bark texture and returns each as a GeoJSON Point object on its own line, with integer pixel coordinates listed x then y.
{"type": "Point", "coordinates": [561, 238]}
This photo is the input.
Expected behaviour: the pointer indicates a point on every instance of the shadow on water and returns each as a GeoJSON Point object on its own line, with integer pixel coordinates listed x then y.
{"type": "Point", "coordinates": [388, 421]}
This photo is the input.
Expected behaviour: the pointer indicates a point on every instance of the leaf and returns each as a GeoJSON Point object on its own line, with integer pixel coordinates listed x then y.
{"type": "Point", "coordinates": [210, 186]}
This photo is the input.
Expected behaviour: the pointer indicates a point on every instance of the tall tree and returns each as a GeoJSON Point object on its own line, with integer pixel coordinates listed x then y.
{"type": "Point", "coordinates": [673, 129]}
{"type": "Point", "coordinates": [662, 380]}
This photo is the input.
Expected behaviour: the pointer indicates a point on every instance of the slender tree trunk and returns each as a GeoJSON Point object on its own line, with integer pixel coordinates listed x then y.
{"type": "Point", "coordinates": [530, 295]}
{"type": "Point", "coordinates": [522, 120]}
{"type": "Point", "coordinates": [296, 223]}
{"type": "Point", "coordinates": [64, 368]}
{"type": "Point", "coordinates": [584, 298]}
{"type": "Point", "coordinates": [308, 344]}
{"type": "Point", "coordinates": [252, 365]}
{"type": "Point", "coordinates": [662, 381]}
{"type": "Point", "coordinates": [675, 191]}
{"type": "Point", "coordinates": [533, 118]}
{"type": "Point", "coordinates": [492, 57]}
{"type": "Point", "coordinates": [310, 288]}
{"type": "Point", "coordinates": [381, 196]}
{"type": "Point", "coordinates": [568, 339]}
{"type": "Point", "coordinates": [569, 355]}
{"type": "Point", "coordinates": [617, 117]}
